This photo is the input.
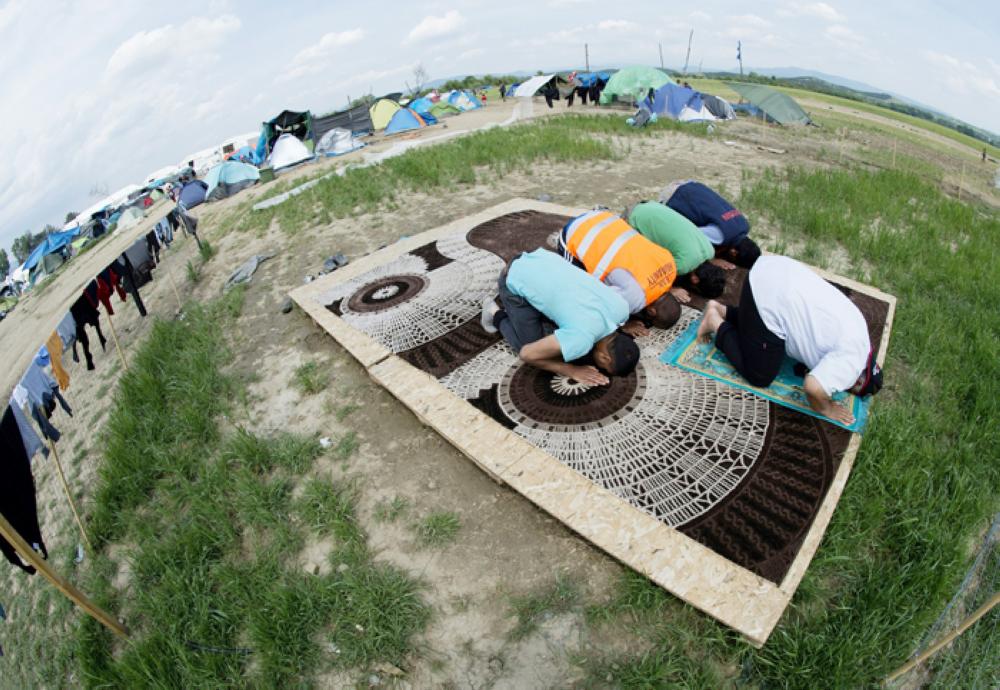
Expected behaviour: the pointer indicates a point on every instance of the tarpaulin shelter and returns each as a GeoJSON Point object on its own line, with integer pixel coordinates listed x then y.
{"type": "Point", "coordinates": [192, 194]}
{"type": "Point", "coordinates": [671, 99]}
{"type": "Point", "coordinates": [357, 120]}
{"type": "Point", "coordinates": [719, 107]}
{"type": "Point", "coordinates": [588, 79]}
{"type": "Point", "coordinates": [777, 106]}
{"type": "Point", "coordinates": [422, 105]}
{"type": "Point", "coordinates": [244, 154]}
{"type": "Point", "coordinates": [298, 124]}
{"type": "Point", "coordinates": [228, 178]}
{"type": "Point", "coordinates": [632, 84]}
{"type": "Point", "coordinates": [382, 111]}
{"type": "Point", "coordinates": [404, 120]}
{"type": "Point", "coordinates": [529, 88]}
{"type": "Point", "coordinates": [288, 151]}
{"type": "Point", "coordinates": [54, 242]}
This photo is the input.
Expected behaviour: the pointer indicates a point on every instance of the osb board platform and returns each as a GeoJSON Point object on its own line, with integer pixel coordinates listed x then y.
{"type": "Point", "coordinates": [715, 494]}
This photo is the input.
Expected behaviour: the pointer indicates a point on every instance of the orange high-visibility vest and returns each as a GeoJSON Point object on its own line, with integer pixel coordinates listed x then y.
{"type": "Point", "coordinates": [602, 242]}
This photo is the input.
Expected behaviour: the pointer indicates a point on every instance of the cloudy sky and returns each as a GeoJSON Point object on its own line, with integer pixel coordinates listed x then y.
{"type": "Point", "coordinates": [95, 94]}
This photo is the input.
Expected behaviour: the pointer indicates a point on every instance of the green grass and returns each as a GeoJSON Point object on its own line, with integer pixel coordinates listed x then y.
{"type": "Point", "coordinates": [451, 165]}
{"type": "Point", "coordinates": [311, 377]}
{"type": "Point", "coordinates": [345, 411]}
{"type": "Point", "coordinates": [923, 483]}
{"type": "Point", "coordinates": [390, 511]}
{"type": "Point", "coordinates": [193, 272]}
{"type": "Point", "coordinates": [437, 529]}
{"type": "Point", "coordinates": [347, 445]}
{"type": "Point", "coordinates": [215, 526]}
{"type": "Point", "coordinates": [562, 595]}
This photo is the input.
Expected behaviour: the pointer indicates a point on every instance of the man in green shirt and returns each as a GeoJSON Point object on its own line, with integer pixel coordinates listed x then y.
{"type": "Point", "coordinates": [697, 267]}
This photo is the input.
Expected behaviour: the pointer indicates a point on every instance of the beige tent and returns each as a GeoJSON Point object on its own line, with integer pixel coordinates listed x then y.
{"type": "Point", "coordinates": [382, 111]}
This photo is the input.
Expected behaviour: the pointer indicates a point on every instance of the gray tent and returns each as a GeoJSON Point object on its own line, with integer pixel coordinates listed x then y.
{"type": "Point", "coordinates": [718, 107]}
{"type": "Point", "coordinates": [357, 120]}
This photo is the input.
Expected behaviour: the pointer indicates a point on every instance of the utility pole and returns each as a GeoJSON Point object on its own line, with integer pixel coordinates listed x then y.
{"type": "Point", "coordinates": [739, 55]}
{"type": "Point", "coordinates": [661, 56]}
{"type": "Point", "coordinates": [686, 57]}
{"type": "Point", "coordinates": [586, 56]}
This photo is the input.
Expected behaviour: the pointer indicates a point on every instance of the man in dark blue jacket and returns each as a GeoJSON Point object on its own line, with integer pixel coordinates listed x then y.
{"type": "Point", "coordinates": [724, 225]}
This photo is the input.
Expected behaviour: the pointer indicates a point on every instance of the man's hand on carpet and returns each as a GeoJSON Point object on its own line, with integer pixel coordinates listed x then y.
{"type": "Point", "coordinates": [586, 375]}
{"type": "Point", "coordinates": [636, 329]}
{"type": "Point", "coordinates": [681, 295]}
{"type": "Point", "coordinates": [723, 264]}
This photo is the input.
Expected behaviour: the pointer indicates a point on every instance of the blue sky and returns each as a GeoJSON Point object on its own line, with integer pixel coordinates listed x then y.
{"type": "Point", "coordinates": [96, 94]}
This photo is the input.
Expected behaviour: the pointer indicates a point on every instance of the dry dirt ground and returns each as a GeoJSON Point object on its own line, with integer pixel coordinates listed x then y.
{"type": "Point", "coordinates": [505, 545]}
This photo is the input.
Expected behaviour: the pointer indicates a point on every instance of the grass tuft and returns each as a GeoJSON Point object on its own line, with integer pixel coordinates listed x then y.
{"type": "Point", "coordinates": [437, 529]}
{"type": "Point", "coordinates": [559, 597]}
{"type": "Point", "coordinates": [311, 377]}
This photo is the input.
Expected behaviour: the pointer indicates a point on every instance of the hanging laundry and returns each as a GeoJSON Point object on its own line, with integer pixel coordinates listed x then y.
{"type": "Point", "coordinates": [32, 443]}
{"type": "Point", "coordinates": [55, 348]}
{"type": "Point", "coordinates": [67, 333]}
{"type": "Point", "coordinates": [114, 279]}
{"type": "Point", "coordinates": [130, 281]}
{"type": "Point", "coordinates": [17, 493]}
{"type": "Point", "coordinates": [41, 393]}
{"type": "Point", "coordinates": [84, 313]}
{"type": "Point", "coordinates": [98, 293]}
{"type": "Point", "coordinates": [153, 245]}
{"type": "Point", "coordinates": [142, 262]}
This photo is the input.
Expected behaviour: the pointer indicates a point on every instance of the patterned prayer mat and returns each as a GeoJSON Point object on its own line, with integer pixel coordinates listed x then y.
{"type": "Point", "coordinates": [725, 467]}
{"type": "Point", "coordinates": [706, 359]}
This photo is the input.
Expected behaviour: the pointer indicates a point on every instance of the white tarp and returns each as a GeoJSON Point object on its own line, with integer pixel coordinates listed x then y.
{"type": "Point", "coordinates": [528, 88]}
{"type": "Point", "coordinates": [688, 114]}
{"type": "Point", "coordinates": [337, 142]}
{"type": "Point", "coordinates": [288, 150]}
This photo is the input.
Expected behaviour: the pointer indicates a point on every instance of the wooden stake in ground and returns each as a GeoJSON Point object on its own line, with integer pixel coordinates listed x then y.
{"type": "Point", "coordinates": [937, 646]}
{"type": "Point", "coordinates": [69, 496]}
{"type": "Point", "coordinates": [28, 555]}
{"type": "Point", "coordinates": [894, 143]}
{"type": "Point", "coordinates": [118, 347]}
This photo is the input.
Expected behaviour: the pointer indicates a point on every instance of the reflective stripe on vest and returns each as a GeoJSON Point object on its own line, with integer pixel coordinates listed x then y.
{"type": "Point", "coordinates": [602, 242]}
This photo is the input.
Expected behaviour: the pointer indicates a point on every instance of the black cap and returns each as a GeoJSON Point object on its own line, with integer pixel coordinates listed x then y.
{"type": "Point", "coordinates": [624, 354]}
{"type": "Point", "coordinates": [873, 377]}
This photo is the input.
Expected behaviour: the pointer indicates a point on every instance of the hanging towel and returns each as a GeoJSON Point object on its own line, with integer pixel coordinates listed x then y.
{"type": "Point", "coordinates": [55, 347]}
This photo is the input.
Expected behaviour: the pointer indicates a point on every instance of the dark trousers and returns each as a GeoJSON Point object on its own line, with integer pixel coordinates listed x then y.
{"type": "Point", "coordinates": [756, 352]}
{"type": "Point", "coordinates": [519, 322]}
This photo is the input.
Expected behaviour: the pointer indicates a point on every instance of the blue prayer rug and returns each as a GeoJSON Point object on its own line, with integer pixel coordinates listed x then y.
{"type": "Point", "coordinates": [786, 390]}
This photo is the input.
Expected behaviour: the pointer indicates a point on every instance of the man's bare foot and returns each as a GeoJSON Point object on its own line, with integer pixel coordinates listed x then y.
{"type": "Point", "coordinates": [710, 323]}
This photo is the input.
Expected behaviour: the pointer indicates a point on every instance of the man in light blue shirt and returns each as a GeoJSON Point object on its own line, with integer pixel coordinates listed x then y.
{"type": "Point", "coordinates": [555, 314]}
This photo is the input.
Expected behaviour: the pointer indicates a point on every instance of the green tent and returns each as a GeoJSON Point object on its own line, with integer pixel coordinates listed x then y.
{"type": "Point", "coordinates": [631, 84]}
{"type": "Point", "coordinates": [778, 106]}
{"type": "Point", "coordinates": [442, 109]}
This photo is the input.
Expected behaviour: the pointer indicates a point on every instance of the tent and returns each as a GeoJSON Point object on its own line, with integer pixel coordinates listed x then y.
{"type": "Point", "coordinates": [382, 111]}
{"type": "Point", "coordinates": [192, 194]}
{"type": "Point", "coordinates": [588, 79]}
{"type": "Point", "coordinates": [689, 114]}
{"type": "Point", "coordinates": [422, 105]}
{"type": "Point", "coordinates": [227, 178]}
{"type": "Point", "coordinates": [632, 84]}
{"type": "Point", "coordinates": [439, 110]}
{"type": "Point", "coordinates": [404, 120]}
{"type": "Point", "coordinates": [464, 100]}
{"type": "Point", "coordinates": [288, 151]}
{"type": "Point", "coordinates": [671, 99]}
{"type": "Point", "coordinates": [777, 106]}
{"type": "Point", "coordinates": [54, 242]}
{"type": "Point", "coordinates": [357, 120]}
{"type": "Point", "coordinates": [337, 142]}
{"type": "Point", "coordinates": [299, 124]}
{"type": "Point", "coordinates": [718, 107]}
{"type": "Point", "coordinates": [528, 88]}
{"type": "Point", "coordinates": [131, 217]}
{"type": "Point", "coordinates": [244, 154]}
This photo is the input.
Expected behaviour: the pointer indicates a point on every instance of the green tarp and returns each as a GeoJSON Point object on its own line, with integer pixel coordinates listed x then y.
{"type": "Point", "coordinates": [779, 107]}
{"type": "Point", "coordinates": [442, 109]}
{"type": "Point", "coordinates": [632, 84]}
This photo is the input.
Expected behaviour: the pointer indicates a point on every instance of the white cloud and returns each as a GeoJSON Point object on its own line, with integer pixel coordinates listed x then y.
{"type": "Point", "coordinates": [199, 36]}
{"type": "Point", "coordinates": [699, 16]}
{"type": "Point", "coordinates": [844, 37]}
{"type": "Point", "coordinates": [10, 12]}
{"type": "Point", "coordinates": [471, 53]}
{"type": "Point", "coordinates": [749, 20]}
{"type": "Point", "coordinates": [820, 10]}
{"type": "Point", "coordinates": [433, 26]}
{"type": "Point", "coordinates": [965, 77]}
{"type": "Point", "coordinates": [370, 77]}
{"type": "Point", "coordinates": [317, 57]}
{"type": "Point", "coordinates": [618, 25]}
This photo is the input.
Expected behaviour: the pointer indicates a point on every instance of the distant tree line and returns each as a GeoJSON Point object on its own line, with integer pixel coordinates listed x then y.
{"type": "Point", "coordinates": [884, 100]}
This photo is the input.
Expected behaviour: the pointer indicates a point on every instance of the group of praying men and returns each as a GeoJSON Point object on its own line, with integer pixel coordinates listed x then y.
{"type": "Point", "coordinates": [577, 313]}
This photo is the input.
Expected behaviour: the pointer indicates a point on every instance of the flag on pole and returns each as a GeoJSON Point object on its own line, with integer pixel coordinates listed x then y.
{"type": "Point", "coordinates": [739, 54]}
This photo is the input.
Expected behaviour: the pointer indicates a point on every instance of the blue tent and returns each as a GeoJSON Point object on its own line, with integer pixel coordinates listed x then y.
{"type": "Point", "coordinates": [404, 120]}
{"type": "Point", "coordinates": [245, 154]}
{"type": "Point", "coordinates": [588, 79]}
{"type": "Point", "coordinates": [229, 177]}
{"type": "Point", "coordinates": [53, 243]}
{"type": "Point", "coordinates": [670, 99]}
{"type": "Point", "coordinates": [422, 105]}
{"type": "Point", "coordinates": [464, 100]}
{"type": "Point", "coordinates": [193, 193]}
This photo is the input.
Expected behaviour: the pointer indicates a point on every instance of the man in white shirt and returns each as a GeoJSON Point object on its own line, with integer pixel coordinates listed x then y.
{"type": "Point", "coordinates": [785, 308]}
